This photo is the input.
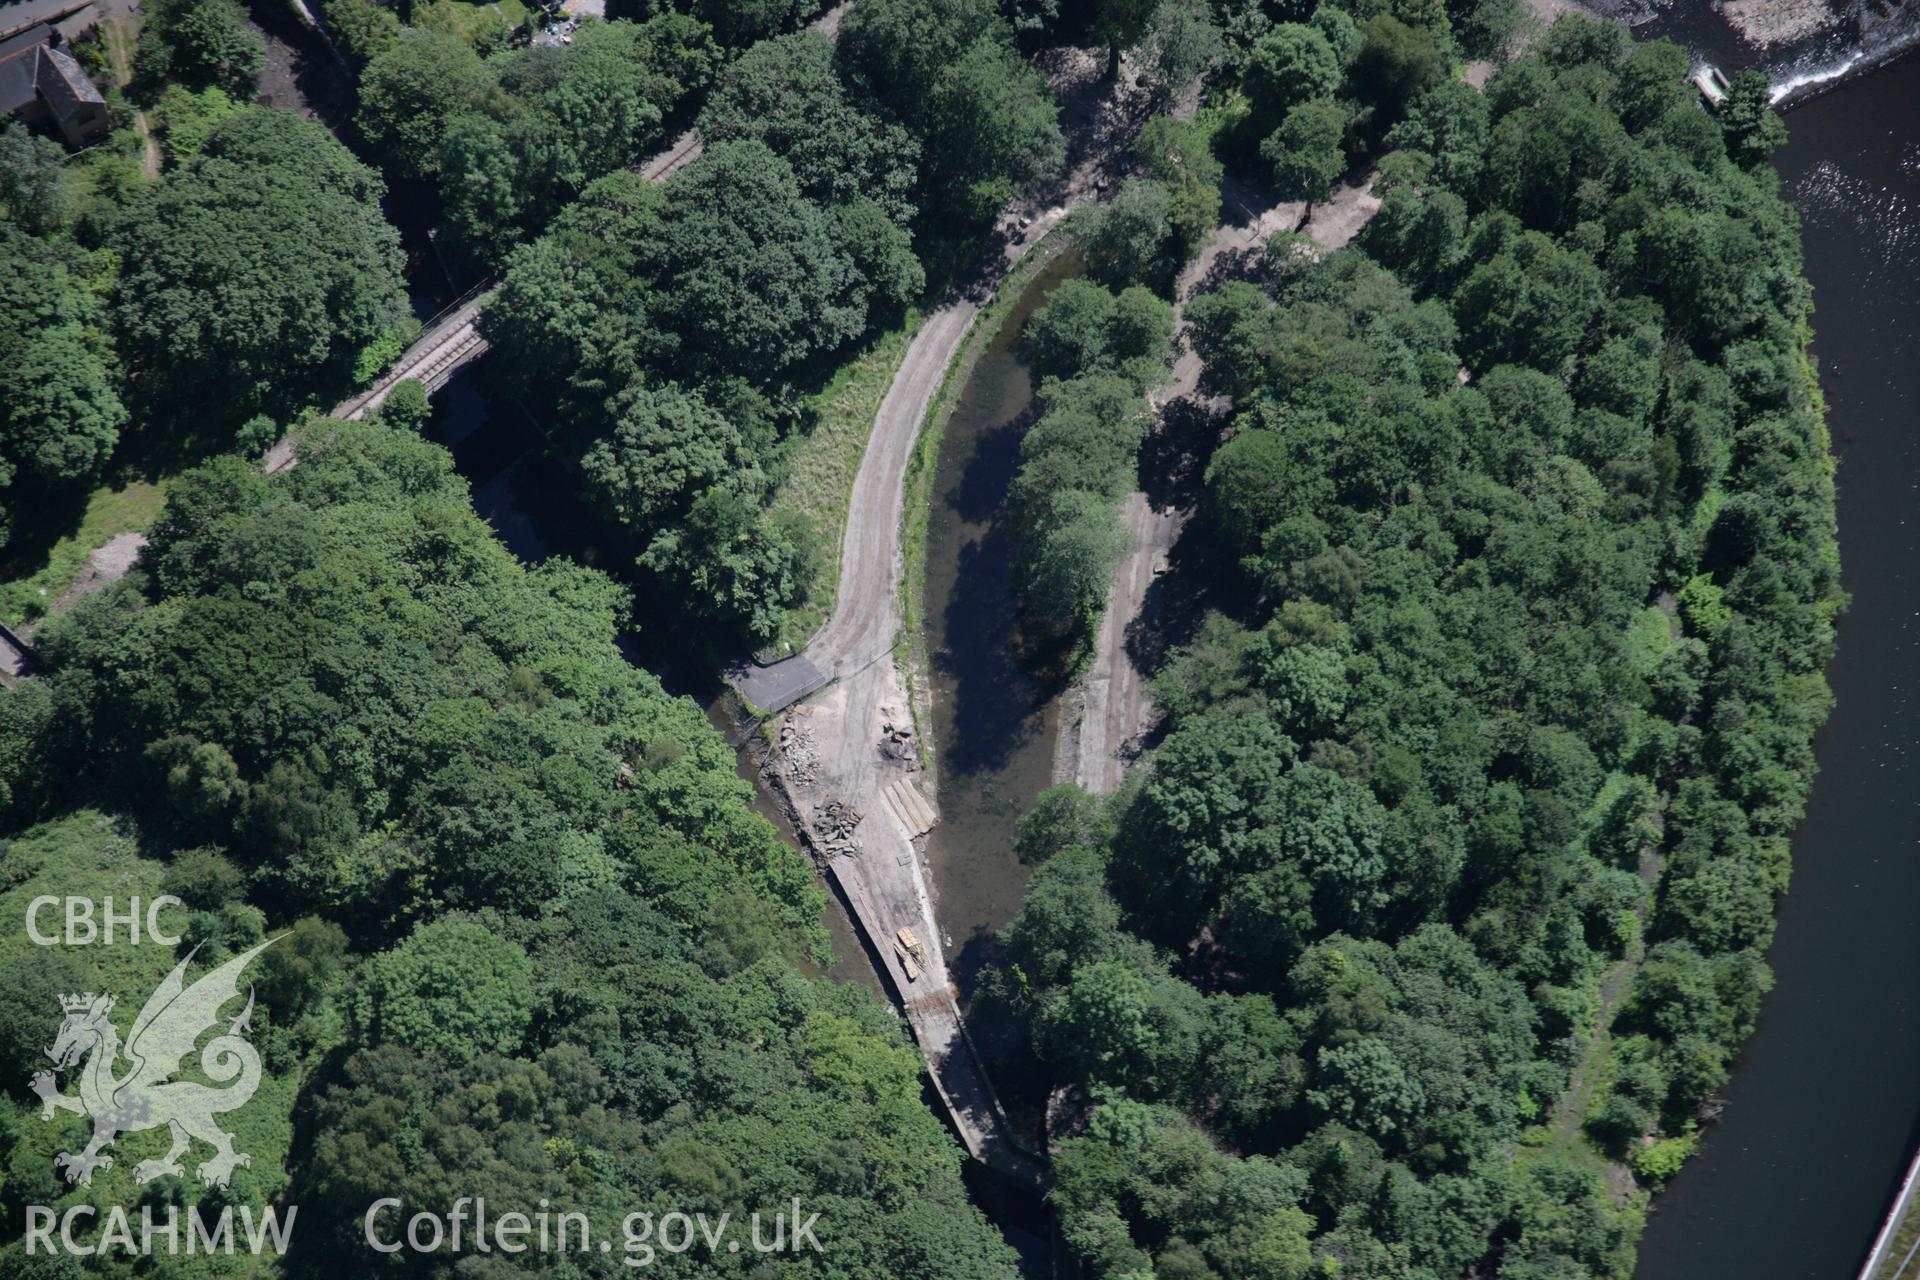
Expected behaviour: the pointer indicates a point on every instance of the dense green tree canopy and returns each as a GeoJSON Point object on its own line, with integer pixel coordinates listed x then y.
{"type": "Point", "coordinates": [557, 118]}
{"type": "Point", "coordinates": [1291, 64]}
{"type": "Point", "coordinates": [537, 947]}
{"type": "Point", "coordinates": [199, 43]}
{"type": "Point", "coordinates": [1307, 151]}
{"type": "Point", "coordinates": [1181, 45]}
{"type": "Point", "coordinates": [1085, 328]}
{"type": "Point", "coordinates": [986, 124]}
{"type": "Point", "coordinates": [758, 279]}
{"type": "Point", "coordinates": [736, 565]}
{"type": "Point", "coordinates": [364, 28]}
{"type": "Point", "coordinates": [1178, 154]}
{"type": "Point", "coordinates": [1127, 239]}
{"type": "Point", "coordinates": [666, 325]}
{"type": "Point", "coordinates": [667, 447]}
{"type": "Point", "coordinates": [256, 276]}
{"type": "Point", "coordinates": [1521, 535]}
{"type": "Point", "coordinates": [1533, 577]}
{"type": "Point", "coordinates": [662, 1083]}
{"type": "Point", "coordinates": [787, 94]}
{"type": "Point", "coordinates": [60, 409]}
{"type": "Point", "coordinates": [1099, 353]}
{"type": "Point", "coordinates": [34, 194]}
{"type": "Point", "coordinates": [737, 24]}
{"type": "Point", "coordinates": [453, 988]}
{"type": "Point", "coordinates": [503, 784]}
{"type": "Point", "coordinates": [572, 317]}
{"type": "Point", "coordinates": [410, 93]}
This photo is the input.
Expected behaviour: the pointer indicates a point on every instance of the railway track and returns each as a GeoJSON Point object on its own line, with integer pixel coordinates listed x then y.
{"type": "Point", "coordinates": [451, 341]}
{"type": "Point", "coordinates": [434, 367]}
{"type": "Point", "coordinates": [685, 150]}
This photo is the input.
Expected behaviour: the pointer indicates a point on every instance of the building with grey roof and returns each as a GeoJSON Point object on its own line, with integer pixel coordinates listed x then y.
{"type": "Point", "coordinates": [43, 86]}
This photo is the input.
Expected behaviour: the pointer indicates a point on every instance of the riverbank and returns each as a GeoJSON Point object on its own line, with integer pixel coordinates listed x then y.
{"type": "Point", "coordinates": [992, 708]}
{"type": "Point", "coordinates": [1821, 1114]}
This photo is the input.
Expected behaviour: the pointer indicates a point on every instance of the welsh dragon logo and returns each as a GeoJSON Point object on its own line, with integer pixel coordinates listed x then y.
{"type": "Point", "coordinates": [146, 1096]}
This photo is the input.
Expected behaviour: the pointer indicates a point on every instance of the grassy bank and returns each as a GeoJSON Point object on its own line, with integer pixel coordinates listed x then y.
{"type": "Point", "coordinates": [110, 512]}
{"type": "Point", "coordinates": [819, 479]}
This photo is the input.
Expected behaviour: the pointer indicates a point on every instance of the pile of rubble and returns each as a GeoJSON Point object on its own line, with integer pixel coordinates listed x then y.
{"type": "Point", "coordinates": [798, 749]}
{"type": "Point", "coordinates": [896, 743]}
{"type": "Point", "coordinates": [833, 828]}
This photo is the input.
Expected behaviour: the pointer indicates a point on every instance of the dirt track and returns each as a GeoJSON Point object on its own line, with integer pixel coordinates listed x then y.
{"type": "Point", "coordinates": [1114, 708]}
{"type": "Point", "coordinates": [866, 616]}
{"type": "Point", "coordinates": [1110, 711]}
{"type": "Point", "coordinates": [847, 730]}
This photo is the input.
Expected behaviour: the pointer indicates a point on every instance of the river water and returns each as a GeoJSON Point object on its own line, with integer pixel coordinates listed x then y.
{"type": "Point", "coordinates": [1824, 1107]}
{"type": "Point", "coordinates": [993, 704]}
{"type": "Point", "coordinates": [1856, 36]}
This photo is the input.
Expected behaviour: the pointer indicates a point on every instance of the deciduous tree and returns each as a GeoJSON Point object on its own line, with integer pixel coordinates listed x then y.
{"type": "Point", "coordinates": [255, 276]}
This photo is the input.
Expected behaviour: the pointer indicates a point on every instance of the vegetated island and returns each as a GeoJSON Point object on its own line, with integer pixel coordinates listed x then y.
{"type": "Point", "coordinates": [1420, 944]}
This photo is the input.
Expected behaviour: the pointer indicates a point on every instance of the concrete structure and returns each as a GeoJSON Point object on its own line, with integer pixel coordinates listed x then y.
{"type": "Point", "coordinates": [846, 762]}
{"type": "Point", "coordinates": [26, 14]}
{"type": "Point", "coordinates": [16, 658]}
{"type": "Point", "coordinates": [44, 87]}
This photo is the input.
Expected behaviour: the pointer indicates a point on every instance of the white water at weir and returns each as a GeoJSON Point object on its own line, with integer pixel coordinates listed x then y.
{"type": "Point", "coordinates": [1869, 35]}
{"type": "Point", "coordinates": [1806, 81]}
{"type": "Point", "coordinates": [1858, 36]}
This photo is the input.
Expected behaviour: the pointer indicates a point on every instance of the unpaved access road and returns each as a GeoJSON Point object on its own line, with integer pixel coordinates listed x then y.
{"type": "Point", "coordinates": [1106, 716]}
{"type": "Point", "coordinates": [1099, 118]}
{"type": "Point", "coordinates": [1113, 707]}
{"type": "Point", "coordinates": [866, 615]}
{"type": "Point", "coordinates": [849, 774]}
{"type": "Point", "coordinates": [845, 760]}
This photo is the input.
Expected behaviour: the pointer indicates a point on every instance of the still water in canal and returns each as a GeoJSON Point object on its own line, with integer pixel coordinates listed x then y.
{"type": "Point", "coordinates": [1824, 1108]}
{"type": "Point", "coordinates": [993, 706]}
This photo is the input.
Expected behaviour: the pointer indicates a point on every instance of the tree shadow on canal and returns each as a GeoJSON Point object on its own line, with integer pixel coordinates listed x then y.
{"type": "Point", "coordinates": [996, 705]}
{"type": "Point", "coordinates": [999, 689]}
{"type": "Point", "coordinates": [980, 496]}
{"type": "Point", "coordinates": [1002, 1038]}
